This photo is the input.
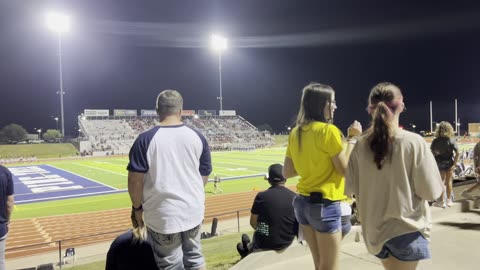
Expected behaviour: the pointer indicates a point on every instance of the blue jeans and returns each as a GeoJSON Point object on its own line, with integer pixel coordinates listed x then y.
{"type": "Point", "coordinates": [324, 217]}
{"type": "Point", "coordinates": [177, 250]}
{"type": "Point", "coordinates": [407, 247]}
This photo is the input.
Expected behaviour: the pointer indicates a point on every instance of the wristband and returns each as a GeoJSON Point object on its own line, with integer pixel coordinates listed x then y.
{"type": "Point", "coordinates": [138, 208]}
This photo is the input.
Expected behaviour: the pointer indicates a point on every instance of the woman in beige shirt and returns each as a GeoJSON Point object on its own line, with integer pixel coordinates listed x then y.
{"type": "Point", "coordinates": [393, 174]}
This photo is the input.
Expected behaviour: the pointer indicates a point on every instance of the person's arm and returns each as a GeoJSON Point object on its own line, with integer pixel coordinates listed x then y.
{"type": "Point", "coordinates": [340, 161]}
{"type": "Point", "coordinates": [10, 204]}
{"type": "Point", "coordinates": [253, 221]}
{"type": "Point", "coordinates": [427, 182]}
{"type": "Point", "coordinates": [205, 161]}
{"type": "Point", "coordinates": [205, 180]}
{"type": "Point", "coordinates": [476, 159]}
{"type": "Point", "coordinates": [457, 154]}
{"type": "Point", "coordinates": [10, 199]}
{"type": "Point", "coordinates": [135, 190]}
{"type": "Point", "coordinates": [288, 168]}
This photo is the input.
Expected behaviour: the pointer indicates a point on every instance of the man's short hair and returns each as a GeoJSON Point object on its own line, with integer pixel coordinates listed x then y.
{"type": "Point", "coordinates": [169, 102]}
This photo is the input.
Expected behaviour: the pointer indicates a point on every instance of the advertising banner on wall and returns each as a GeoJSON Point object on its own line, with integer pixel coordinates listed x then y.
{"type": "Point", "coordinates": [117, 112]}
{"type": "Point", "coordinates": [188, 112]}
{"type": "Point", "coordinates": [228, 113]}
{"type": "Point", "coordinates": [148, 113]}
{"type": "Point", "coordinates": [91, 112]}
{"type": "Point", "coordinates": [207, 112]}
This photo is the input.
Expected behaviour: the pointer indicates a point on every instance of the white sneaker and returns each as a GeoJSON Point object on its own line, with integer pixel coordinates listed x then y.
{"type": "Point", "coordinates": [439, 204]}
{"type": "Point", "coordinates": [449, 203]}
{"type": "Point", "coordinates": [467, 194]}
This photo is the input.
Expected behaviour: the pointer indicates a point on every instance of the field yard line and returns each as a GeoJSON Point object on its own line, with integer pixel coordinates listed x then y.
{"type": "Point", "coordinates": [82, 176]}
{"type": "Point", "coordinates": [251, 159]}
{"type": "Point", "coordinates": [229, 168]}
{"type": "Point", "coordinates": [122, 174]}
{"type": "Point", "coordinates": [263, 167]}
{"type": "Point", "coordinates": [51, 192]}
{"type": "Point", "coordinates": [73, 196]}
{"type": "Point", "coordinates": [114, 164]}
{"type": "Point", "coordinates": [81, 202]}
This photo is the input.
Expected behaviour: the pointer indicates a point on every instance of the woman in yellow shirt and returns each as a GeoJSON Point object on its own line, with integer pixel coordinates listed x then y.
{"type": "Point", "coordinates": [315, 152]}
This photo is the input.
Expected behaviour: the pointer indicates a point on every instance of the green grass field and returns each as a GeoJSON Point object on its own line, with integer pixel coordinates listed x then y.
{"type": "Point", "coordinates": [52, 150]}
{"type": "Point", "coordinates": [112, 171]}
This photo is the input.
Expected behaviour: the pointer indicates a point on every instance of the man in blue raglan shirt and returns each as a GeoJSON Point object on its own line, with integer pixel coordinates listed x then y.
{"type": "Point", "coordinates": [6, 209]}
{"type": "Point", "coordinates": [168, 169]}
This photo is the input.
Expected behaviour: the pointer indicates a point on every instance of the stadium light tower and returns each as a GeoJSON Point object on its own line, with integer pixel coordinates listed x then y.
{"type": "Point", "coordinates": [59, 24]}
{"type": "Point", "coordinates": [219, 45]}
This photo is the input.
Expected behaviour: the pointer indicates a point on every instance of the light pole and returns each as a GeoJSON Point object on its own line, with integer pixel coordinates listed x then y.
{"type": "Point", "coordinates": [219, 44]}
{"type": "Point", "coordinates": [59, 24]}
{"type": "Point", "coordinates": [39, 131]}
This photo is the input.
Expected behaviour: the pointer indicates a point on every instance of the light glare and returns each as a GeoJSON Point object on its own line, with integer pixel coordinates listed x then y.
{"type": "Point", "coordinates": [218, 43]}
{"type": "Point", "coordinates": [58, 22]}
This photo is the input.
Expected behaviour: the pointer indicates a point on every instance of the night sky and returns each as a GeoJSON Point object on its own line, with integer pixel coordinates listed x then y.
{"type": "Point", "coordinates": [121, 54]}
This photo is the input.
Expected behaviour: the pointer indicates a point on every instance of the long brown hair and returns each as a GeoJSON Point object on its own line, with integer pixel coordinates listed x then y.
{"type": "Point", "coordinates": [383, 102]}
{"type": "Point", "coordinates": [314, 98]}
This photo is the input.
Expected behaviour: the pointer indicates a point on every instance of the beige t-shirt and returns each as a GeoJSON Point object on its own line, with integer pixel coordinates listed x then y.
{"type": "Point", "coordinates": [393, 201]}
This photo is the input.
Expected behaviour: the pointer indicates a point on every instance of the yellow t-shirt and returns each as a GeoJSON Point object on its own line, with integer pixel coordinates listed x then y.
{"type": "Point", "coordinates": [313, 159]}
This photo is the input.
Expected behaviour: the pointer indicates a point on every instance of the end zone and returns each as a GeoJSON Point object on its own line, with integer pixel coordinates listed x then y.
{"type": "Point", "coordinates": [46, 183]}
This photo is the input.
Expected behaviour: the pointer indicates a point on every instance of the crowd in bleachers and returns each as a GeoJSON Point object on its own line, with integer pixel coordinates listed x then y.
{"type": "Point", "coordinates": [230, 132]}
{"type": "Point", "coordinates": [115, 136]}
{"type": "Point", "coordinates": [109, 136]}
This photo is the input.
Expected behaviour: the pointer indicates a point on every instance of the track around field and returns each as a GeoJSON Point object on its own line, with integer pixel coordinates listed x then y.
{"type": "Point", "coordinates": [91, 228]}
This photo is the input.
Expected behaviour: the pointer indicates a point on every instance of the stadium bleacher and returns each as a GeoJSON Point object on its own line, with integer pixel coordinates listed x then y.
{"type": "Point", "coordinates": [111, 135]}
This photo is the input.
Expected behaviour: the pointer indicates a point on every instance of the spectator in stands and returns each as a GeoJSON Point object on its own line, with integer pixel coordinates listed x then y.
{"type": "Point", "coordinates": [272, 217]}
{"type": "Point", "coordinates": [6, 209]}
{"type": "Point", "coordinates": [168, 169]}
{"type": "Point", "coordinates": [467, 193]}
{"type": "Point", "coordinates": [315, 152]}
{"type": "Point", "coordinates": [130, 250]}
{"type": "Point", "coordinates": [443, 148]}
{"type": "Point", "coordinates": [393, 175]}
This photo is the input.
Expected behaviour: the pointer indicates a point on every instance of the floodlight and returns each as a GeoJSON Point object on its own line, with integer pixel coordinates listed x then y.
{"type": "Point", "coordinates": [58, 22]}
{"type": "Point", "coordinates": [218, 43]}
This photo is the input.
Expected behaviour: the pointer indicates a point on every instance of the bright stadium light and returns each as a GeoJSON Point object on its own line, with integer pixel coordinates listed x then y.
{"type": "Point", "coordinates": [56, 120]}
{"type": "Point", "coordinates": [59, 23]}
{"type": "Point", "coordinates": [219, 45]}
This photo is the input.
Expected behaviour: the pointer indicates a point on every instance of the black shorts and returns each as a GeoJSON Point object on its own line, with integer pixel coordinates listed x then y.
{"type": "Point", "coordinates": [445, 165]}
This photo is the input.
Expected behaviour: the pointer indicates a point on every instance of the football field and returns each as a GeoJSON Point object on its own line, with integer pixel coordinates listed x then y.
{"type": "Point", "coordinates": [94, 184]}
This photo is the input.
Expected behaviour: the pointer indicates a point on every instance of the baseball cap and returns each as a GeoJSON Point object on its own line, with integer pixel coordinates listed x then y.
{"type": "Point", "coordinates": [275, 173]}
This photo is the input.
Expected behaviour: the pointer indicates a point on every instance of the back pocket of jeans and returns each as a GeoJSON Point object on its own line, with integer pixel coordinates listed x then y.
{"type": "Point", "coordinates": [330, 211]}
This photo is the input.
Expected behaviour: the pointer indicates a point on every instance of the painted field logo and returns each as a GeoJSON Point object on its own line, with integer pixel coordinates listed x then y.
{"type": "Point", "coordinates": [39, 180]}
{"type": "Point", "coordinates": [46, 183]}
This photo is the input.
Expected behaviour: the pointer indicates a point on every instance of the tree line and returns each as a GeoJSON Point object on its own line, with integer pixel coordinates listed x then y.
{"type": "Point", "coordinates": [14, 133]}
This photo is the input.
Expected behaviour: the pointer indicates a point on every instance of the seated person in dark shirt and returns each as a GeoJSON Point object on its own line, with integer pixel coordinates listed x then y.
{"type": "Point", "coordinates": [272, 217]}
{"type": "Point", "coordinates": [130, 250]}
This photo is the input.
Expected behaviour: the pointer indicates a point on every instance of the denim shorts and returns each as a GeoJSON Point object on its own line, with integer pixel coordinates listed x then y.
{"type": "Point", "coordinates": [177, 250]}
{"type": "Point", "coordinates": [407, 247]}
{"type": "Point", "coordinates": [323, 217]}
